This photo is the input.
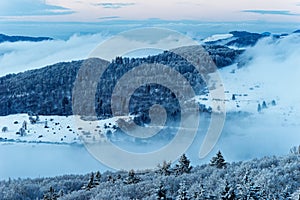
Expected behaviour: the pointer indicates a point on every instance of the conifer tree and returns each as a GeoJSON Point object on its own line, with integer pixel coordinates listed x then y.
{"type": "Point", "coordinates": [218, 161]}
{"type": "Point", "coordinates": [183, 166]}
{"type": "Point", "coordinates": [91, 184]}
{"type": "Point", "coordinates": [165, 168]}
{"type": "Point", "coordinates": [51, 195]}
{"type": "Point", "coordinates": [24, 125]}
{"type": "Point", "coordinates": [161, 192]}
{"type": "Point", "coordinates": [259, 108]}
{"type": "Point", "coordinates": [264, 105]}
{"type": "Point", "coordinates": [233, 97]}
{"type": "Point", "coordinates": [182, 192]}
{"type": "Point", "coordinates": [228, 193]}
{"type": "Point", "coordinates": [98, 177]}
{"type": "Point", "coordinates": [132, 178]}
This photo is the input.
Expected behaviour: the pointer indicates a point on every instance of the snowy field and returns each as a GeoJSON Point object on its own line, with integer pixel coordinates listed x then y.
{"type": "Point", "coordinates": [52, 129]}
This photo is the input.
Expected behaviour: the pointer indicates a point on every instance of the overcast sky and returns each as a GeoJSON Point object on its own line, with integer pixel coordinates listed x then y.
{"type": "Point", "coordinates": [98, 10]}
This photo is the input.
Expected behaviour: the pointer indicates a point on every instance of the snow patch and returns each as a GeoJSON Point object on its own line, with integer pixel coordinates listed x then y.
{"type": "Point", "coordinates": [217, 37]}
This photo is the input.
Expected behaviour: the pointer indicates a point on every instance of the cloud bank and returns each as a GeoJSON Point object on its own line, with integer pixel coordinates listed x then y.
{"type": "Point", "coordinates": [274, 66]}
{"type": "Point", "coordinates": [20, 56]}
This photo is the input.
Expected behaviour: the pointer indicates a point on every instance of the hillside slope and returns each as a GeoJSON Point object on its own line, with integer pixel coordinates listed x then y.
{"type": "Point", "coordinates": [48, 91]}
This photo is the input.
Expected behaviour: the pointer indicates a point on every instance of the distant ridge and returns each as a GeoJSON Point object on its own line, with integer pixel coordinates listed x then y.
{"type": "Point", "coordinates": [297, 31]}
{"type": "Point", "coordinates": [6, 38]}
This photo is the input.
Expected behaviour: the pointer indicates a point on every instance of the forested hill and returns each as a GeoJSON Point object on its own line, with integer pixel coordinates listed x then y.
{"type": "Point", "coordinates": [266, 178]}
{"type": "Point", "coordinates": [48, 91]}
{"type": "Point", "coordinates": [6, 38]}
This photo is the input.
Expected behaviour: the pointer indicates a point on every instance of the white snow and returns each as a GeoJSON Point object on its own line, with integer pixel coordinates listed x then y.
{"type": "Point", "coordinates": [250, 92]}
{"type": "Point", "coordinates": [61, 129]}
{"type": "Point", "coordinates": [217, 37]}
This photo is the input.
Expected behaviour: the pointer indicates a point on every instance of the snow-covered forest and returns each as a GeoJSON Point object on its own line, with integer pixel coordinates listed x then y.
{"type": "Point", "coordinates": [265, 178]}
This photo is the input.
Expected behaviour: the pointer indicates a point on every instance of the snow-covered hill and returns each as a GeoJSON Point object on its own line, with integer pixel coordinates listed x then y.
{"type": "Point", "coordinates": [266, 178]}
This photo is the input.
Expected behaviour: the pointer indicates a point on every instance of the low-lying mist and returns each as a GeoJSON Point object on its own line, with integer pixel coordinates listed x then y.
{"type": "Point", "coordinates": [21, 56]}
{"type": "Point", "coordinates": [274, 66]}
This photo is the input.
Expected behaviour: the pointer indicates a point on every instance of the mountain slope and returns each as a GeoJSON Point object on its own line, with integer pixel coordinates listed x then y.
{"type": "Point", "coordinates": [48, 91]}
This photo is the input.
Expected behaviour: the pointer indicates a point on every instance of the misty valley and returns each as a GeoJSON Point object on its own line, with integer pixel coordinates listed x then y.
{"type": "Point", "coordinates": [67, 133]}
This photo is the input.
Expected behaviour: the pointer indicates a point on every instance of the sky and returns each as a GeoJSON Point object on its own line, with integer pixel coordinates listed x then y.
{"type": "Point", "coordinates": [102, 10]}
